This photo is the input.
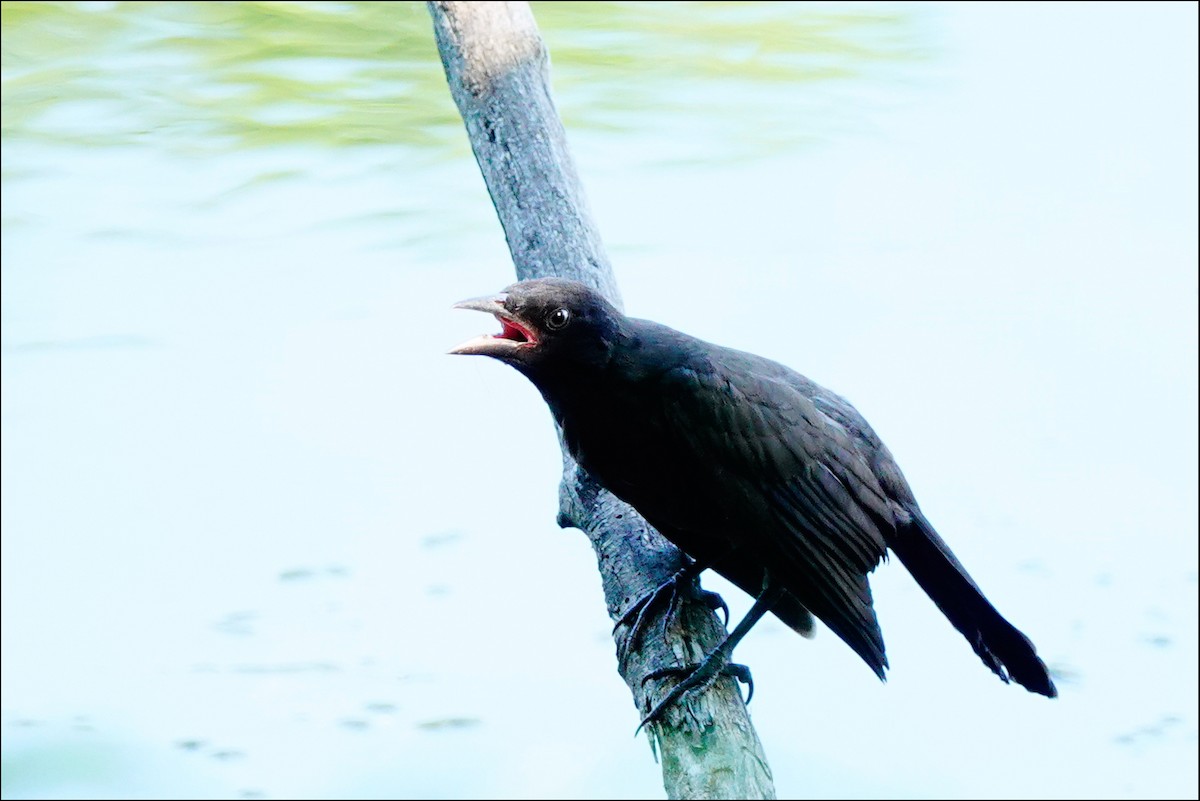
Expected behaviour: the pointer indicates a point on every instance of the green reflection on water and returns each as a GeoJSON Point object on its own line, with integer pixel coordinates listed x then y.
{"type": "Point", "coordinates": [222, 74]}
{"type": "Point", "coordinates": [214, 76]}
{"type": "Point", "coordinates": [63, 765]}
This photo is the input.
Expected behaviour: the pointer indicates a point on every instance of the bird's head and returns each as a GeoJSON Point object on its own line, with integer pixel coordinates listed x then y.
{"type": "Point", "coordinates": [547, 324]}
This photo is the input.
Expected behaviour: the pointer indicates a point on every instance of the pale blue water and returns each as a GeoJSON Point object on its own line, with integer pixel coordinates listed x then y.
{"type": "Point", "coordinates": [262, 538]}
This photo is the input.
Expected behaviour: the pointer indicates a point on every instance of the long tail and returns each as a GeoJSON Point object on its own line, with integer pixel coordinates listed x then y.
{"type": "Point", "coordinates": [1003, 648]}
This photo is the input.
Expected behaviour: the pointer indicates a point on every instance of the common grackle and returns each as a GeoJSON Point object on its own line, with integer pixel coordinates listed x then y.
{"type": "Point", "coordinates": [749, 467]}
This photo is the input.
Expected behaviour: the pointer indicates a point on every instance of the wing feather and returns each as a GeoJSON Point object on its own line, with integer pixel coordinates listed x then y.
{"type": "Point", "coordinates": [816, 506]}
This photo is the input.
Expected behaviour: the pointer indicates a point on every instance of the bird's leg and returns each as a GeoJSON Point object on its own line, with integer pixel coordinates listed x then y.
{"type": "Point", "coordinates": [641, 608]}
{"type": "Point", "coordinates": [717, 662]}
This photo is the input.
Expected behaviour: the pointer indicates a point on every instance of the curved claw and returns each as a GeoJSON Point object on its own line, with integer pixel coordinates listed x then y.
{"type": "Point", "coordinates": [637, 612]}
{"type": "Point", "coordinates": [641, 608]}
{"type": "Point", "coordinates": [637, 607]}
{"type": "Point", "coordinates": [699, 677]}
{"type": "Point", "coordinates": [715, 602]}
{"type": "Point", "coordinates": [742, 674]}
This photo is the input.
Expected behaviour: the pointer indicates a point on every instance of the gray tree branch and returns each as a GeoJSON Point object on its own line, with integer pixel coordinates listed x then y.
{"type": "Point", "coordinates": [497, 69]}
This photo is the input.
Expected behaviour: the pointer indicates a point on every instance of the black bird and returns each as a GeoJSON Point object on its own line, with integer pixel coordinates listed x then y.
{"type": "Point", "coordinates": [747, 466]}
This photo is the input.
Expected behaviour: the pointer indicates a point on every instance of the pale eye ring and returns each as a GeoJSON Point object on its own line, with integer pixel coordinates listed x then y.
{"type": "Point", "coordinates": [558, 319]}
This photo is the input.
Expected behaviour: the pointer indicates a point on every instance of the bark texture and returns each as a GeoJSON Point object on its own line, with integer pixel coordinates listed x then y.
{"type": "Point", "coordinates": [497, 69]}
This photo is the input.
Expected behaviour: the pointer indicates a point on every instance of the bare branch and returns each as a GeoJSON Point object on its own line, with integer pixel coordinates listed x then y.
{"type": "Point", "coordinates": [497, 69]}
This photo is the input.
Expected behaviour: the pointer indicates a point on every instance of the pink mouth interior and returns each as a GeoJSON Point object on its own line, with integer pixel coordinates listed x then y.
{"type": "Point", "coordinates": [514, 332]}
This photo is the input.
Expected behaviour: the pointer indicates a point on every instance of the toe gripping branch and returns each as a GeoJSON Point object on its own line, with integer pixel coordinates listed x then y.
{"type": "Point", "coordinates": [717, 663]}
{"type": "Point", "coordinates": [640, 612]}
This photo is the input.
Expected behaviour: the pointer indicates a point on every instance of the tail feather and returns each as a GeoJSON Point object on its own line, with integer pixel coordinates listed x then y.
{"type": "Point", "coordinates": [1001, 646]}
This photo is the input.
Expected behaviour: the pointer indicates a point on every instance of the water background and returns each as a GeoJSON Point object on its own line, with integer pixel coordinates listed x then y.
{"type": "Point", "coordinates": [262, 538]}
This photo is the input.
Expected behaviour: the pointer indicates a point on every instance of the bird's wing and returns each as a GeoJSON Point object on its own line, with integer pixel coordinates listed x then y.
{"type": "Point", "coordinates": [799, 475]}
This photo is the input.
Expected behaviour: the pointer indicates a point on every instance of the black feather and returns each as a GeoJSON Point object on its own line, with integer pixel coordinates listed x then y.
{"type": "Point", "coordinates": [746, 463]}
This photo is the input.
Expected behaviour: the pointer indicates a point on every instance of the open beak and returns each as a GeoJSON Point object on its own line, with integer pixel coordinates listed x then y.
{"type": "Point", "coordinates": [516, 334]}
{"type": "Point", "coordinates": [487, 303]}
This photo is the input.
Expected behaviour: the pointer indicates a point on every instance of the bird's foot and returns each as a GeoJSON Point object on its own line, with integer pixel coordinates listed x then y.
{"type": "Point", "coordinates": [698, 677]}
{"type": "Point", "coordinates": [637, 615]}
{"type": "Point", "coordinates": [714, 601]}
{"type": "Point", "coordinates": [718, 660]}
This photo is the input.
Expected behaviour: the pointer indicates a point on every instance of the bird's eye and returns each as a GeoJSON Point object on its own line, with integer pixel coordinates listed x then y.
{"type": "Point", "coordinates": [558, 319]}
